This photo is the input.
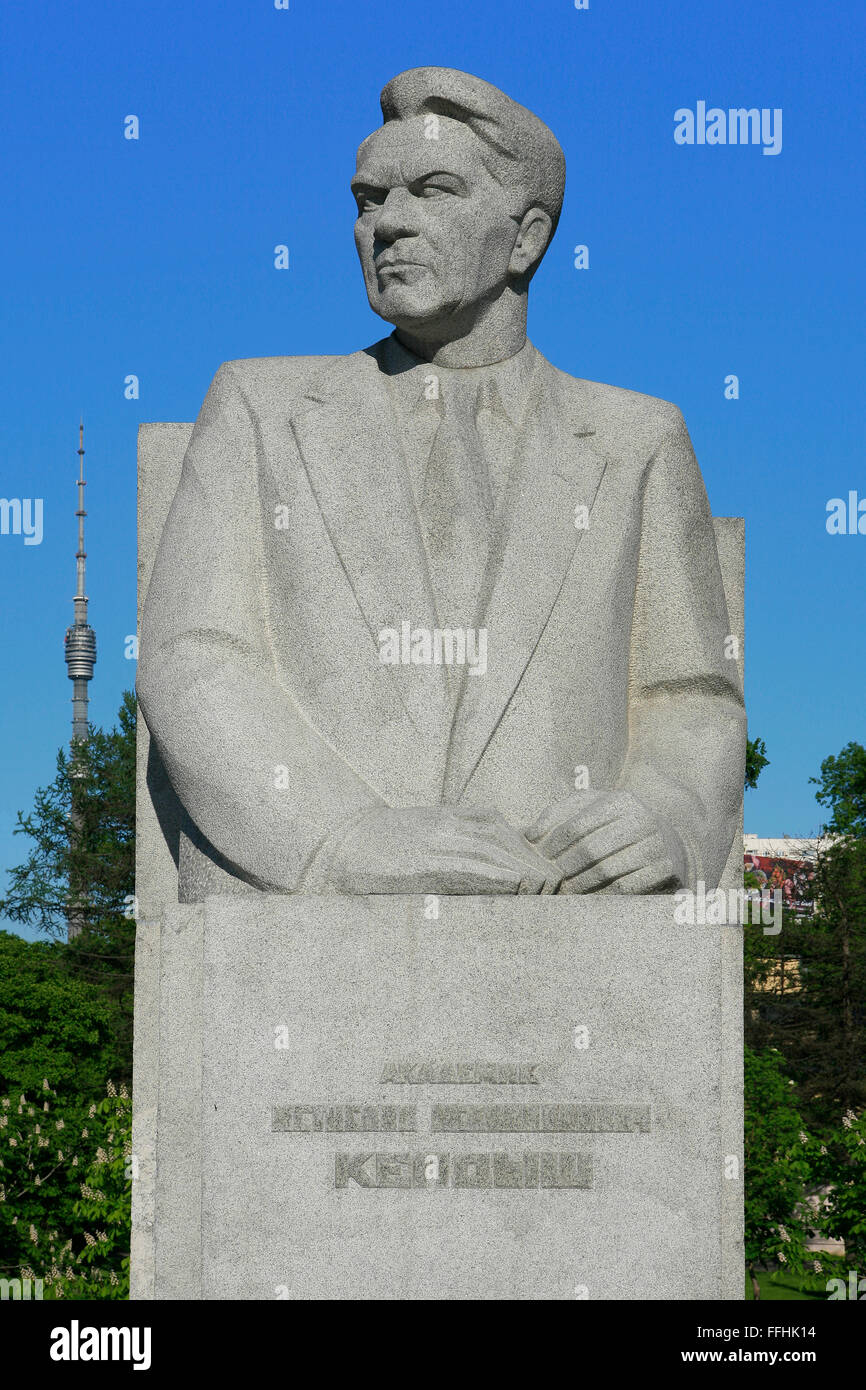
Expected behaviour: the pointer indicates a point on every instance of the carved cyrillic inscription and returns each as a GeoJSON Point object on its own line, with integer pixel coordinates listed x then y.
{"type": "Point", "coordinates": [530, 1169]}
{"type": "Point", "coordinates": [301, 1118]}
{"type": "Point", "coordinates": [424, 1170]}
{"type": "Point", "coordinates": [460, 1074]}
{"type": "Point", "coordinates": [564, 1118]}
{"type": "Point", "coordinates": [540, 1119]}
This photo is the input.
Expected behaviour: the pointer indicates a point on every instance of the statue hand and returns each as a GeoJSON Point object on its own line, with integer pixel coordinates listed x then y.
{"type": "Point", "coordinates": [438, 849]}
{"type": "Point", "coordinates": [611, 841]}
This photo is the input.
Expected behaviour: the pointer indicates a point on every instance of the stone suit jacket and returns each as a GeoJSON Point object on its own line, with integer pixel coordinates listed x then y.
{"type": "Point", "coordinates": [293, 541]}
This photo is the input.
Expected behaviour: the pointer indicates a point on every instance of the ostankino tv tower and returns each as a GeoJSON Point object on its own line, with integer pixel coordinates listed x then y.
{"type": "Point", "coordinates": [80, 654]}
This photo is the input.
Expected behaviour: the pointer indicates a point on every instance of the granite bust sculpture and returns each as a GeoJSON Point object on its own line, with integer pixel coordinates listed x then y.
{"type": "Point", "coordinates": [436, 617]}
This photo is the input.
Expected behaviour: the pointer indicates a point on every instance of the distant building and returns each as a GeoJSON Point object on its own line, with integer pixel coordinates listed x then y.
{"type": "Point", "coordinates": [786, 863]}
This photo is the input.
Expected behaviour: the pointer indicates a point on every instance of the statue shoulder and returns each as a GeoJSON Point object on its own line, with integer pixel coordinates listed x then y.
{"type": "Point", "coordinates": [616, 401]}
{"type": "Point", "coordinates": [271, 382]}
{"type": "Point", "coordinates": [617, 408]}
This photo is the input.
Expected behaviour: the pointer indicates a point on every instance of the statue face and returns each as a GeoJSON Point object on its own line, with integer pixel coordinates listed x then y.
{"type": "Point", "coordinates": [434, 232]}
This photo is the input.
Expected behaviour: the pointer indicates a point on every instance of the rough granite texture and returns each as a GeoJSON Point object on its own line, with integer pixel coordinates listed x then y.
{"type": "Point", "coordinates": [286, 1002]}
{"type": "Point", "coordinates": [446, 477]}
{"type": "Point", "coordinates": [601, 742]}
{"type": "Point", "coordinates": [159, 816]}
{"type": "Point", "coordinates": [594, 660]}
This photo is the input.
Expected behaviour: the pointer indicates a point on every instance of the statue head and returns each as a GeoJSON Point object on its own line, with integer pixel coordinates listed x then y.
{"type": "Point", "coordinates": [458, 194]}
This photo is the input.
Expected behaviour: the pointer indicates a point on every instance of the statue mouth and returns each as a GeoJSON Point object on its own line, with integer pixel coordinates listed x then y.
{"type": "Point", "coordinates": [396, 265]}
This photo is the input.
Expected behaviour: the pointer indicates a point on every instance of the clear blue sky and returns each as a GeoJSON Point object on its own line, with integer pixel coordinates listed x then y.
{"type": "Point", "coordinates": [155, 257]}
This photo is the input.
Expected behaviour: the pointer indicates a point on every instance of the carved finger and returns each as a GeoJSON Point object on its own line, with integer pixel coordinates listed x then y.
{"type": "Point", "coordinates": [624, 862]}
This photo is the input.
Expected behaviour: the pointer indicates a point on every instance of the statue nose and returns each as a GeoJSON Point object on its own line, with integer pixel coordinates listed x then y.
{"type": "Point", "coordinates": [395, 219]}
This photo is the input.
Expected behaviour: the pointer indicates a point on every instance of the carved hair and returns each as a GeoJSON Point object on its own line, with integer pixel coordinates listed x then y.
{"type": "Point", "coordinates": [522, 153]}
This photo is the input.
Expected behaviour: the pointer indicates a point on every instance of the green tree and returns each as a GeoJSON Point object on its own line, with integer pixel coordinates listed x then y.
{"type": "Point", "coordinates": [65, 1183]}
{"type": "Point", "coordinates": [66, 1013]}
{"type": "Point", "coordinates": [52, 1022]}
{"type": "Point", "coordinates": [756, 761]}
{"type": "Point", "coordinates": [102, 1269]}
{"type": "Point", "coordinates": [94, 868]}
{"type": "Point", "coordinates": [776, 1168]}
{"type": "Point", "coordinates": [842, 788]}
{"type": "Point", "coordinates": [830, 1054]}
{"type": "Point", "coordinates": [46, 1145]}
{"type": "Point", "coordinates": [805, 988]}
{"type": "Point", "coordinates": [771, 978]}
{"type": "Point", "coordinates": [833, 1023]}
{"type": "Point", "coordinates": [843, 1169]}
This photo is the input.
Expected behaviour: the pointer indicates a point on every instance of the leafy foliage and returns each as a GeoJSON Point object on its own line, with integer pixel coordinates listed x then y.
{"type": "Point", "coordinates": [842, 788]}
{"type": "Point", "coordinates": [66, 1013]}
{"type": "Point", "coordinates": [46, 1144]}
{"type": "Point", "coordinates": [777, 1168]}
{"type": "Point", "coordinates": [52, 1022]}
{"type": "Point", "coordinates": [841, 1167]}
{"type": "Point", "coordinates": [94, 869]}
{"type": "Point", "coordinates": [805, 989]}
{"type": "Point", "coordinates": [69, 1215]}
{"type": "Point", "coordinates": [96, 866]}
{"type": "Point", "coordinates": [756, 761]}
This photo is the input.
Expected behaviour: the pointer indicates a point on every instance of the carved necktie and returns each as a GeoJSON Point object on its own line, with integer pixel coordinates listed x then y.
{"type": "Point", "coordinates": [457, 504]}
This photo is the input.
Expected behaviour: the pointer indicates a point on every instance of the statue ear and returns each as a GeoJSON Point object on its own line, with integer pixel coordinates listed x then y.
{"type": "Point", "coordinates": [533, 238]}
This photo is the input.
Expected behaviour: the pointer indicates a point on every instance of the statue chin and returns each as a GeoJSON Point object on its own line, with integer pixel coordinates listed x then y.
{"type": "Point", "coordinates": [406, 312]}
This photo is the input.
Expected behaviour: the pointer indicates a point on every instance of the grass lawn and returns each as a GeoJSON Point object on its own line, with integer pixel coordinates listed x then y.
{"type": "Point", "coordinates": [776, 1287]}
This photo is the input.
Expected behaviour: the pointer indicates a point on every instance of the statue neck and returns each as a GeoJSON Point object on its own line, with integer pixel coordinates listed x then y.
{"type": "Point", "coordinates": [497, 332]}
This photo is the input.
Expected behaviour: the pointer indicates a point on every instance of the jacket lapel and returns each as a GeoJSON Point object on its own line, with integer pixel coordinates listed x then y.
{"type": "Point", "coordinates": [347, 437]}
{"type": "Point", "coordinates": [556, 471]}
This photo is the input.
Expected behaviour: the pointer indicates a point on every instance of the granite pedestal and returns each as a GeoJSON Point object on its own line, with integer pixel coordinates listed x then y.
{"type": "Point", "coordinates": [447, 1099]}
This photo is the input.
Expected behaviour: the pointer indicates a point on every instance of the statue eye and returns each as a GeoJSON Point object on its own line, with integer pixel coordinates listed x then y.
{"type": "Point", "coordinates": [369, 198]}
{"type": "Point", "coordinates": [437, 189]}
{"type": "Point", "coordinates": [437, 184]}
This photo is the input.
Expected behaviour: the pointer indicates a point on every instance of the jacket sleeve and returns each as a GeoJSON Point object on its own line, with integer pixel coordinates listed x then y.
{"type": "Point", "coordinates": [258, 780]}
{"type": "Point", "coordinates": [687, 723]}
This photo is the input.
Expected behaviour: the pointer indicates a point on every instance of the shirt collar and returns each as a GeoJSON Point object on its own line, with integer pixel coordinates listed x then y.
{"type": "Point", "coordinates": [504, 385]}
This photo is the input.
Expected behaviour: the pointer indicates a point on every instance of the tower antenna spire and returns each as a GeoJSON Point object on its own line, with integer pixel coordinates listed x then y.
{"type": "Point", "coordinates": [80, 656]}
{"type": "Point", "coordinates": [80, 653]}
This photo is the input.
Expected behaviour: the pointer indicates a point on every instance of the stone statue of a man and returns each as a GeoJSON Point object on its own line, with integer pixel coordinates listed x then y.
{"type": "Point", "coordinates": [436, 617]}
